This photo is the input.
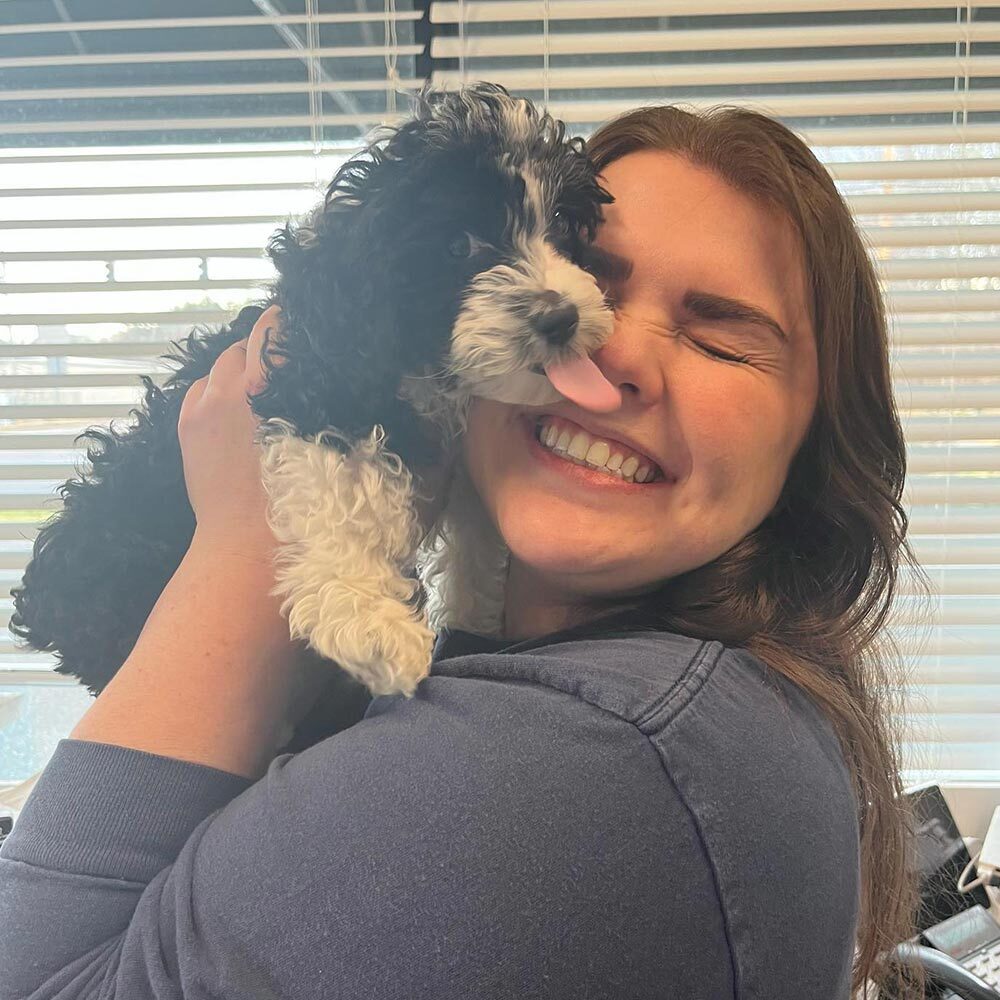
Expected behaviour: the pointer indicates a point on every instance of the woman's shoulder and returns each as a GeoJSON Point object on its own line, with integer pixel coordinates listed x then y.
{"type": "Point", "coordinates": [648, 678]}
{"type": "Point", "coordinates": [747, 749]}
{"type": "Point", "coordinates": [628, 667]}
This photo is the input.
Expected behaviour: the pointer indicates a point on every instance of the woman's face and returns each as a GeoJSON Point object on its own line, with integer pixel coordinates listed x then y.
{"type": "Point", "coordinates": [710, 271]}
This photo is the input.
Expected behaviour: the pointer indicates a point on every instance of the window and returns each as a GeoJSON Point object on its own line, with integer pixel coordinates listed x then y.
{"type": "Point", "coordinates": [145, 162]}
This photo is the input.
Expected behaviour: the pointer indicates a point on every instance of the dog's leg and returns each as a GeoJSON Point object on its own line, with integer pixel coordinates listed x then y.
{"type": "Point", "coordinates": [347, 533]}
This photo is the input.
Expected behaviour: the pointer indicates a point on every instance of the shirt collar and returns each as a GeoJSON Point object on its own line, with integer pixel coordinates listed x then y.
{"type": "Point", "coordinates": [455, 642]}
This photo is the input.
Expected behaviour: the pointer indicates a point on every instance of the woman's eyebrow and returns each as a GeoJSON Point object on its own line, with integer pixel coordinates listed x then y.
{"type": "Point", "coordinates": [705, 305]}
{"type": "Point", "coordinates": [604, 263]}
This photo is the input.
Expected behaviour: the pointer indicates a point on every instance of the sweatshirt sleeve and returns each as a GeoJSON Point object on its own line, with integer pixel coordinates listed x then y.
{"type": "Point", "coordinates": [100, 824]}
{"type": "Point", "coordinates": [461, 843]}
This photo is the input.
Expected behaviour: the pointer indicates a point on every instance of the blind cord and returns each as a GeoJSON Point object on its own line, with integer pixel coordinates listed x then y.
{"type": "Point", "coordinates": [391, 58]}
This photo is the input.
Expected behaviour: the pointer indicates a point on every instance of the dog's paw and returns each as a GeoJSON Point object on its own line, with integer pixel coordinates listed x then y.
{"type": "Point", "coordinates": [374, 638]}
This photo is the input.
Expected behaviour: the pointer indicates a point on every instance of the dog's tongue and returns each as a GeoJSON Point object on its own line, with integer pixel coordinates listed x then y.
{"type": "Point", "coordinates": [581, 381]}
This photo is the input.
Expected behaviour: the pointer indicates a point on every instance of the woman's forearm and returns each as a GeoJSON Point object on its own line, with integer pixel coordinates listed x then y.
{"type": "Point", "coordinates": [212, 676]}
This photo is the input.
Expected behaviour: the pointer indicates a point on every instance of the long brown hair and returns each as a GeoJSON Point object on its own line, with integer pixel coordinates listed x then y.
{"type": "Point", "coordinates": [810, 590]}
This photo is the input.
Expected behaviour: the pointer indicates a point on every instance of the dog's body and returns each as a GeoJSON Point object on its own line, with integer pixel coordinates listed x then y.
{"type": "Point", "coordinates": [439, 266]}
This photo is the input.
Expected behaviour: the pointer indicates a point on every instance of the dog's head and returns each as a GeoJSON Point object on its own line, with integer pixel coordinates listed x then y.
{"type": "Point", "coordinates": [528, 199]}
{"type": "Point", "coordinates": [451, 243]}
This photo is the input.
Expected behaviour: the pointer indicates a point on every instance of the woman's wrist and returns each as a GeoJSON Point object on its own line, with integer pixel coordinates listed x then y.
{"type": "Point", "coordinates": [253, 545]}
{"type": "Point", "coordinates": [212, 677]}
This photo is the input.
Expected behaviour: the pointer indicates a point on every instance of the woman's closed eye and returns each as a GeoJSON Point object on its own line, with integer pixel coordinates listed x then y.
{"type": "Point", "coordinates": [613, 302]}
{"type": "Point", "coordinates": [740, 359]}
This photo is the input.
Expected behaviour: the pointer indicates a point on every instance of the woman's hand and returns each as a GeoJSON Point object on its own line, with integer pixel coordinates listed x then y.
{"type": "Point", "coordinates": [216, 429]}
{"type": "Point", "coordinates": [222, 472]}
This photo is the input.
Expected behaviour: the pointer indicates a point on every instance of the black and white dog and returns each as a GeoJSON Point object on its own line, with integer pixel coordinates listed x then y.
{"type": "Point", "coordinates": [443, 263]}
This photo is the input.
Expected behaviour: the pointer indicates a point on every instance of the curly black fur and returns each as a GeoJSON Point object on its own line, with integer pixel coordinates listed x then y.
{"type": "Point", "coordinates": [369, 292]}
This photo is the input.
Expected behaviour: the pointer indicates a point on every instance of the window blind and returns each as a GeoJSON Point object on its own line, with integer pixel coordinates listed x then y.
{"type": "Point", "coordinates": [144, 163]}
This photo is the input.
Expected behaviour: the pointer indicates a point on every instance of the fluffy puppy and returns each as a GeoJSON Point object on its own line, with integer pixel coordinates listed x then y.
{"type": "Point", "coordinates": [440, 265]}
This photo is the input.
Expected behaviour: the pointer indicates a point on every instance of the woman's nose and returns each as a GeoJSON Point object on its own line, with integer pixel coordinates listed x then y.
{"type": "Point", "coordinates": [630, 361]}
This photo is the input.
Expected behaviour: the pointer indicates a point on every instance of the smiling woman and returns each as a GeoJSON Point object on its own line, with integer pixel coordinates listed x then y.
{"type": "Point", "coordinates": [678, 731]}
{"type": "Point", "coordinates": [751, 353]}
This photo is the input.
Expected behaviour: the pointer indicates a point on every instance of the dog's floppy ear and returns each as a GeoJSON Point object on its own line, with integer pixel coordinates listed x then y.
{"type": "Point", "coordinates": [326, 320]}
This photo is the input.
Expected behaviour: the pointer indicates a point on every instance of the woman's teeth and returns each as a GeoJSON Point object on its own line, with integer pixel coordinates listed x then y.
{"type": "Point", "coordinates": [579, 447]}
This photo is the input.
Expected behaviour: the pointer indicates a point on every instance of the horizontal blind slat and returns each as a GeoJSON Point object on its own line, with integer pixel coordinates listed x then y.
{"type": "Point", "coordinates": [930, 270]}
{"type": "Point", "coordinates": [111, 254]}
{"type": "Point", "coordinates": [216, 55]}
{"type": "Point", "coordinates": [34, 675]}
{"type": "Point", "coordinates": [983, 550]}
{"type": "Point", "coordinates": [50, 472]}
{"type": "Point", "coordinates": [190, 124]}
{"type": "Point", "coordinates": [946, 702]}
{"type": "Point", "coordinates": [955, 732]}
{"type": "Point", "coordinates": [948, 612]}
{"type": "Point", "coordinates": [193, 152]}
{"type": "Point", "coordinates": [973, 640]}
{"type": "Point", "coordinates": [926, 490]}
{"type": "Point", "coordinates": [174, 189]}
{"type": "Point", "coordinates": [230, 21]}
{"type": "Point", "coordinates": [207, 90]}
{"type": "Point", "coordinates": [49, 503]}
{"type": "Point", "coordinates": [951, 428]}
{"type": "Point", "coordinates": [946, 458]}
{"type": "Point", "coordinates": [915, 397]}
{"type": "Point", "coordinates": [974, 580]}
{"type": "Point", "coordinates": [825, 137]}
{"type": "Point", "coordinates": [34, 287]}
{"type": "Point", "coordinates": [958, 332]}
{"type": "Point", "coordinates": [973, 520]}
{"type": "Point", "coordinates": [65, 411]}
{"type": "Point", "coordinates": [143, 222]}
{"type": "Point", "coordinates": [742, 74]}
{"type": "Point", "coordinates": [481, 11]}
{"type": "Point", "coordinates": [193, 316]}
{"type": "Point", "coordinates": [839, 36]}
{"type": "Point", "coordinates": [77, 381]}
{"type": "Point", "coordinates": [37, 442]}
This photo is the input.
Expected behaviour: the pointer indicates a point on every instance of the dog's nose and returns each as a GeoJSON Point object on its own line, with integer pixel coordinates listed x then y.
{"type": "Point", "coordinates": [557, 318]}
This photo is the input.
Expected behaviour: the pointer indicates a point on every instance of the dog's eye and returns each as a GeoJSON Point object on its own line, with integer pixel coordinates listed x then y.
{"type": "Point", "coordinates": [560, 228]}
{"type": "Point", "coordinates": [461, 246]}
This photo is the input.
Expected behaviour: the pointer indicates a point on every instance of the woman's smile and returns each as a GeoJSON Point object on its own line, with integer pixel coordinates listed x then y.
{"type": "Point", "coordinates": [567, 470]}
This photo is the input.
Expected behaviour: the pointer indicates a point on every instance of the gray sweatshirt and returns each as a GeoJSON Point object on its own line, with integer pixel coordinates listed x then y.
{"type": "Point", "coordinates": [641, 815]}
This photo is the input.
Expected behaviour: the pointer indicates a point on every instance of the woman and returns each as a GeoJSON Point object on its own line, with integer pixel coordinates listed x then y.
{"type": "Point", "coordinates": [671, 776]}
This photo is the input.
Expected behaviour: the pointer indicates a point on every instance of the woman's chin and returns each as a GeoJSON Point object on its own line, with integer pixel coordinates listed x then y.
{"type": "Point", "coordinates": [589, 566]}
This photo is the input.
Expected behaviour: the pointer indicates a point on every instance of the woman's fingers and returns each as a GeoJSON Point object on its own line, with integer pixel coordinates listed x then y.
{"type": "Point", "coordinates": [238, 370]}
{"type": "Point", "coordinates": [192, 395]}
{"type": "Point", "coordinates": [194, 392]}
{"type": "Point", "coordinates": [227, 372]}
{"type": "Point", "coordinates": [267, 326]}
